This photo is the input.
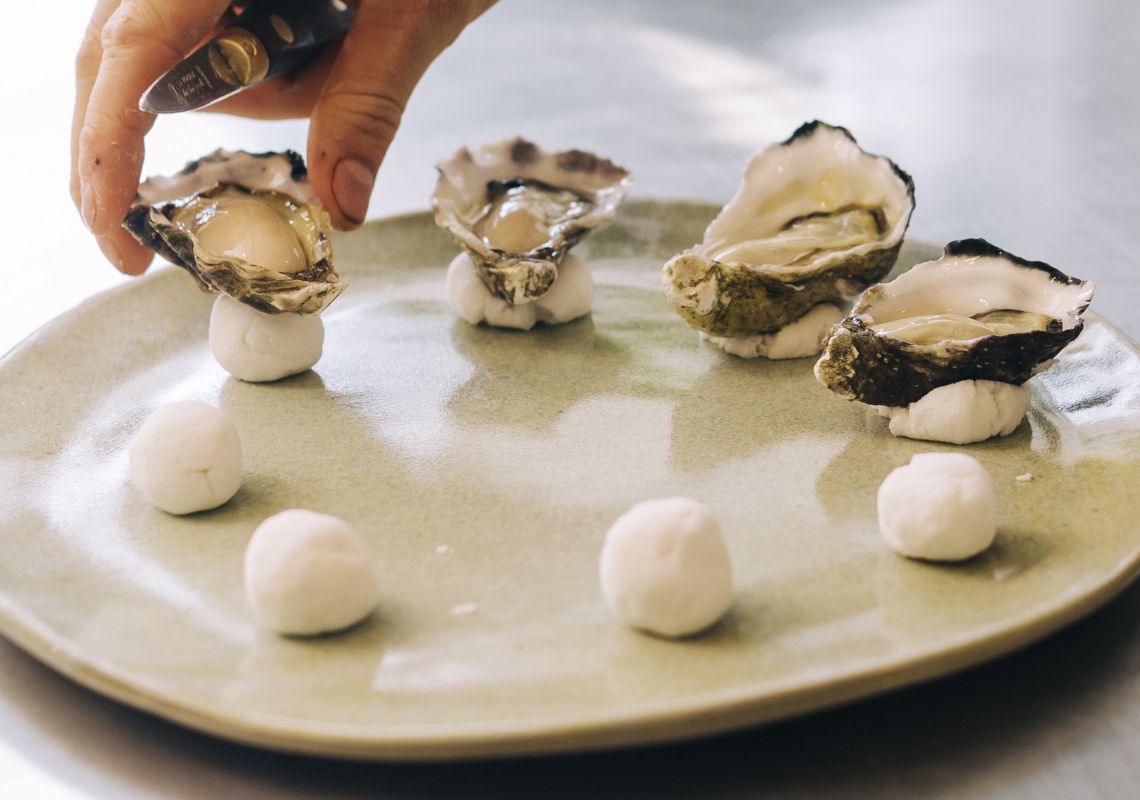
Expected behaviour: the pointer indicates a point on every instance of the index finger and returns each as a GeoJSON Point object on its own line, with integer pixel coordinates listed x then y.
{"type": "Point", "coordinates": [141, 40]}
{"type": "Point", "coordinates": [86, 69]}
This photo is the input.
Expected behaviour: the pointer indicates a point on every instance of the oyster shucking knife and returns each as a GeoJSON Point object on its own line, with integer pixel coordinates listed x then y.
{"type": "Point", "coordinates": [264, 39]}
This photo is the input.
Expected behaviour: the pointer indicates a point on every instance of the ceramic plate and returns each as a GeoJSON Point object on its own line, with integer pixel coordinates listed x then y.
{"type": "Point", "coordinates": [484, 467]}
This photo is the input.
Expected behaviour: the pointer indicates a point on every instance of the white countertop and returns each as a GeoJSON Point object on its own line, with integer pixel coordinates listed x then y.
{"type": "Point", "coordinates": [1018, 122]}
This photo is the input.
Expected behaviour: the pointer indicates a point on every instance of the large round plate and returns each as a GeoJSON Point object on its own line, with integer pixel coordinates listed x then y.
{"type": "Point", "coordinates": [484, 467]}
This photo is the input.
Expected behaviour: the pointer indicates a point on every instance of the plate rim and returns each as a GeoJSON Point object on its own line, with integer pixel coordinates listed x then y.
{"type": "Point", "coordinates": [718, 711]}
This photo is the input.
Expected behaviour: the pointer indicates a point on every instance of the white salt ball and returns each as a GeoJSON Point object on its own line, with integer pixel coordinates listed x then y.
{"type": "Point", "coordinates": [569, 297]}
{"type": "Point", "coordinates": [664, 567]}
{"type": "Point", "coordinates": [308, 573]}
{"type": "Point", "coordinates": [186, 457]}
{"type": "Point", "coordinates": [799, 339]}
{"type": "Point", "coordinates": [474, 303]}
{"type": "Point", "coordinates": [961, 413]}
{"type": "Point", "coordinates": [258, 347]}
{"type": "Point", "coordinates": [939, 507]}
{"type": "Point", "coordinates": [571, 294]}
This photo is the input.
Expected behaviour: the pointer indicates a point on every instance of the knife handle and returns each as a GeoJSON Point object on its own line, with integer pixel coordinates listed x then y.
{"type": "Point", "coordinates": [290, 32]}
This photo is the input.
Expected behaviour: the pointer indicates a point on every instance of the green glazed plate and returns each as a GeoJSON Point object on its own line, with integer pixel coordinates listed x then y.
{"type": "Point", "coordinates": [484, 467]}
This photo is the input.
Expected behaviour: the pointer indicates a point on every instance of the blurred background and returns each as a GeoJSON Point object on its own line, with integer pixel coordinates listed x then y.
{"type": "Point", "coordinates": [1018, 122]}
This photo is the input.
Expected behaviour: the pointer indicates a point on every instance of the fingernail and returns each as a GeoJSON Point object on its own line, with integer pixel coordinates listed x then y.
{"type": "Point", "coordinates": [87, 196]}
{"type": "Point", "coordinates": [108, 248]}
{"type": "Point", "coordinates": [352, 188]}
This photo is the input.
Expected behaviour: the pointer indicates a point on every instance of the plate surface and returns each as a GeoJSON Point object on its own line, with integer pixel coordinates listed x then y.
{"type": "Point", "coordinates": [484, 467]}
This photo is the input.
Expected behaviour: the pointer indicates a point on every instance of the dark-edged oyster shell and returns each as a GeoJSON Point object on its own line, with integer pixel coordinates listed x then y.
{"type": "Point", "coordinates": [977, 313]}
{"type": "Point", "coordinates": [245, 224]}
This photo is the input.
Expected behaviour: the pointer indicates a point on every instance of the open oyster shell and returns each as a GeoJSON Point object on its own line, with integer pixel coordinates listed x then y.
{"type": "Point", "coordinates": [245, 224]}
{"type": "Point", "coordinates": [518, 209]}
{"type": "Point", "coordinates": [816, 220]}
{"type": "Point", "coordinates": [977, 313]}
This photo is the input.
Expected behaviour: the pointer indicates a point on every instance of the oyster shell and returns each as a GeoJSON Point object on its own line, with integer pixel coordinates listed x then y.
{"type": "Point", "coordinates": [816, 220]}
{"type": "Point", "coordinates": [977, 313]}
{"type": "Point", "coordinates": [248, 225]}
{"type": "Point", "coordinates": [518, 210]}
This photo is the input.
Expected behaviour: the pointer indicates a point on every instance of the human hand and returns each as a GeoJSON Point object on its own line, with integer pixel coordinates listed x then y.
{"type": "Point", "coordinates": [354, 94]}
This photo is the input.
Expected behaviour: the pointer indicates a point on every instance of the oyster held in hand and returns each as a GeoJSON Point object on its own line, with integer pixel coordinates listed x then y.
{"type": "Point", "coordinates": [816, 220]}
{"type": "Point", "coordinates": [518, 210]}
{"type": "Point", "coordinates": [243, 224]}
{"type": "Point", "coordinates": [977, 313]}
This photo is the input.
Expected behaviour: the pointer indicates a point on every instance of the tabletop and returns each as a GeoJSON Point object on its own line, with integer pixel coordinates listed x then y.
{"type": "Point", "coordinates": [1017, 122]}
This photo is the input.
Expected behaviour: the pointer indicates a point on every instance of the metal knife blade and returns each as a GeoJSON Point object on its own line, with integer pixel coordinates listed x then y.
{"type": "Point", "coordinates": [267, 39]}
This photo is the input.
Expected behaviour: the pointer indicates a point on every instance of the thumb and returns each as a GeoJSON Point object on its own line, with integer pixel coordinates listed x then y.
{"type": "Point", "coordinates": [384, 55]}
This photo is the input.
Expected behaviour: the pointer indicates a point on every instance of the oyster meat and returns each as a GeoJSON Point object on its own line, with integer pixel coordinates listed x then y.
{"type": "Point", "coordinates": [816, 220]}
{"type": "Point", "coordinates": [248, 225]}
{"type": "Point", "coordinates": [518, 209]}
{"type": "Point", "coordinates": [978, 313]}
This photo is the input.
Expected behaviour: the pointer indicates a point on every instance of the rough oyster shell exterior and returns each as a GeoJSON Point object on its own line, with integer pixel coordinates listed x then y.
{"type": "Point", "coordinates": [279, 179]}
{"type": "Point", "coordinates": [972, 277]}
{"type": "Point", "coordinates": [572, 192]}
{"type": "Point", "coordinates": [819, 170]}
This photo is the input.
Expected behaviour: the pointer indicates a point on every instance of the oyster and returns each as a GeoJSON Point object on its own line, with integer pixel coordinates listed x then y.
{"type": "Point", "coordinates": [517, 210]}
{"type": "Point", "coordinates": [248, 225]}
{"type": "Point", "coordinates": [816, 220]}
{"type": "Point", "coordinates": [977, 313]}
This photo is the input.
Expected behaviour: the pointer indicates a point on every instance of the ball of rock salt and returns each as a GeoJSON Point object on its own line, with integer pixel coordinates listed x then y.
{"type": "Point", "coordinates": [308, 573]}
{"type": "Point", "coordinates": [664, 567]}
{"type": "Point", "coordinates": [258, 347]}
{"type": "Point", "coordinates": [568, 298]}
{"type": "Point", "coordinates": [939, 507]}
{"type": "Point", "coordinates": [961, 413]}
{"type": "Point", "coordinates": [186, 457]}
